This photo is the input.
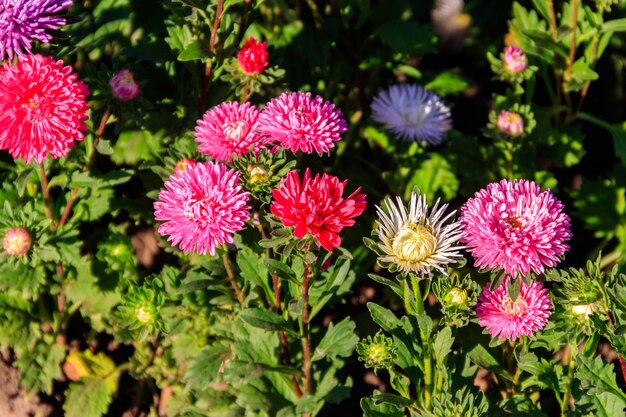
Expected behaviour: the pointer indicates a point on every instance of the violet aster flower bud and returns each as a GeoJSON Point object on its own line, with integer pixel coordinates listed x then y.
{"type": "Point", "coordinates": [124, 86]}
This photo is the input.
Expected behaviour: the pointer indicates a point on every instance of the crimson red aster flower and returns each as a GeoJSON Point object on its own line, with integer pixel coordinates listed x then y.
{"type": "Point", "coordinates": [316, 206]}
{"type": "Point", "coordinates": [42, 108]}
{"type": "Point", "coordinates": [252, 56]}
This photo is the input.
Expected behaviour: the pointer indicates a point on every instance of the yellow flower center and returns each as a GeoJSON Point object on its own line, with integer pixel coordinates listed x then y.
{"type": "Point", "coordinates": [514, 308]}
{"type": "Point", "coordinates": [582, 310]}
{"type": "Point", "coordinates": [143, 315]}
{"type": "Point", "coordinates": [413, 243]}
{"type": "Point", "coordinates": [258, 174]}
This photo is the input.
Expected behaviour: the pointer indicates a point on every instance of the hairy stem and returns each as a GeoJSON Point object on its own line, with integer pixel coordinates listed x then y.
{"type": "Point", "coordinates": [426, 348]}
{"type": "Point", "coordinates": [306, 342]}
{"type": "Point", "coordinates": [570, 380]}
{"type": "Point", "coordinates": [70, 203]}
{"type": "Point", "coordinates": [43, 179]}
{"type": "Point", "coordinates": [231, 279]}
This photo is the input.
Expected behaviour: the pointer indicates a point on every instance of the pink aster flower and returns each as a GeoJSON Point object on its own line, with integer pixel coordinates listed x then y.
{"type": "Point", "coordinates": [515, 60]}
{"type": "Point", "coordinates": [42, 108]}
{"type": "Point", "coordinates": [229, 128]}
{"type": "Point", "coordinates": [316, 206]}
{"type": "Point", "coordinates": [16, 241]}
{"type": "Point", "coordinates": [22, 21]}
{"type": "Point", "coordinates": [515, 226]}
{"type": "Point", "coordinates": [508, 319]}
{"type": "Point", "coordinates": [202, 207]}
{"type": "Point", "coordinates": [123, 85]}
{"type": "Point", "coordinates": [302, 123]}
{"type": "Point", "coordinates": [510, 123]}
{"type": "Point", "coordinates": [252, 56]}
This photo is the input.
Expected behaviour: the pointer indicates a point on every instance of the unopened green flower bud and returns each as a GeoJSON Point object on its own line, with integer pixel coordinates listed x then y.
{"type": "Point", "coordinates": [16, 241]}
{"type": "Point", "coordinates": [258, 174]}
{"type": "Point", "coordinates": [377, 352]}
{"type": "Point", "coordinates": [456, 297]}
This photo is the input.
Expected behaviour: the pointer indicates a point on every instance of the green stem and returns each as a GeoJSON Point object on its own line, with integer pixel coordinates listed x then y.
{"type": "Point", "coordinates": [570, 380]}
{"type": "Point", "coordinates": [306, 342]}
{"type": "Point", "coordinates": [426, 350]}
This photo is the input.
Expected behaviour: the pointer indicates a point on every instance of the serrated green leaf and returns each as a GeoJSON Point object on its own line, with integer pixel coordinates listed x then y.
{"type": "Point", "coordinates": [597, 377]}
{"type": "Point", "coordinates": [339, 341]}
{"type": "Point", "coordinates": [481, 357]}
{"type": "Point", "coordinates": [204, 367]}
{"type": "Point", "coordinates": [265, 319]}
{"type": "Point", "coordinates": [442, 345]}
{"type": "Point", "coordinates": [87, 398]}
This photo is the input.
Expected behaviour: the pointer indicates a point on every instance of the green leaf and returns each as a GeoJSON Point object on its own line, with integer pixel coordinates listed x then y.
{"type": "Point", "coordinates": [40, 366]}
{"type": "Point", "coordinates": [339, 341]}
{"type": "Point", "coordinates": [616, 25]}
{"type": "Point", "coordinates": [609, 405]}
{"type": "Point", "coordinates": [434, 177]}
{"type": "Point", "coordinates": [279, 268]}
{"type": "Point", "coordinates": [204, 367]}
{"type": "Point", "coordinates": [448, 82]}
{"type": "Point", "coordinates": [104, 147]}
{"type": "Point", "coordinates": [22, 180]}
{"type": "Point", "coordinates": [389, 283]}
{"type": "Point", "coordinates": [265, 319]}
{"type": "Point", "coordinates": [597, 377]}
{"type": "Point", "coordinates": [391, 399]}
{"type": "Point", "coordinates": [442, 345]}
{"type": "Point", "coordinates": [383, 317]}
{"type": "Point", "coordinates": [87, 398]}
{"type": "Point", "coordinates": [252, 268]}
{"type": "Point", "coordinates": [481, 357]}
{"type": "Point", "coordinates": [197, 50]}
{"type": "Point", "coordinates": [372, 409]}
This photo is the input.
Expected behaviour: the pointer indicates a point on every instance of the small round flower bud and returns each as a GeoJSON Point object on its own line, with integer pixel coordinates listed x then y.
{"type": "Point", "coordinates": [253, 56]}
{"type": "Point", "coordinates": [515, 60]}
{"type": "Point", "coordinates": [124, 86]}
{"type": "Point", "coordinates": [510, 123]}
{"type": "Point", "coordinates": [258, 174]}
{"type": "Point", "coordinates": [377, 352]}
{"type": "Point", "coordinates": [456, 297]}
{"type": "Point", "coordinates": [144, 314]}
{"type": "Point", "coordinates": [16, 241]}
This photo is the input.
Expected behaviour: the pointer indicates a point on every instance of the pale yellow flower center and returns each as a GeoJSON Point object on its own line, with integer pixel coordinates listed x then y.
{"type": "Point", "coordinates": [582, 310]}
{"type": "Point", "coordinates": [143, 315]}
{"type": "Point", "coordinates": [236, 131]}
{"type": "Point", "coordinates": [514, 308]}
{"type": "Point", "coordinates": [258, 174]}
{"type": "Point", "coordinates": [413, 243]}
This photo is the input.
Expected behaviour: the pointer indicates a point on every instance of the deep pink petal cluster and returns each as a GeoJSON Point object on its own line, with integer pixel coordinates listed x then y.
{"type": "Point", "coordinates": [229, 128]}
{"type": "Point", "coordinates": [515, 60]}
{"type": "Point", "coordinates": [505, 318]}
{"type": "Point", "coordinates": [302, 123]}
{"type": "Point", "coordinates": [202, 206]}
{"type": "Point", "coordinates": [22, 21]}
{"type": "Point", "coordinates": [316, 206]}
{"type": "Point", "coordinates": [252, 56]}
{"type": "Point", "coordinates": [515, 226]}
{"type": "Point", "coordinates": [123, 85]}
{"type": "Point", "coordinates": [42, 108]}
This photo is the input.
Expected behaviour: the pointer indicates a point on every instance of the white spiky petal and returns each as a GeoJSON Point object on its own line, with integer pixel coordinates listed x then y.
{"type": "Point", "coordinates": [419, 240]}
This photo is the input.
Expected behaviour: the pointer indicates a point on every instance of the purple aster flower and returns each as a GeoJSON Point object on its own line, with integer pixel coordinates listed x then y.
{"type": "Point", "coordinates": [21, 21]}
{"type": "Point", "coordinates": [412, 113]}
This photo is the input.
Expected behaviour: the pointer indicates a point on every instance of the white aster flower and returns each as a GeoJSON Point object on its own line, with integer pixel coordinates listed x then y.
{"type": "Point", "coordinates": [412, 113]}
{"type": "Point", "coordinates": [420, 240]}
{"type": "Point", "coordinates": [451, 24]}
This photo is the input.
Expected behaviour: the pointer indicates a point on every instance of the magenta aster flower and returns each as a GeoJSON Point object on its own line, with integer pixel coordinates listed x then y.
{"type": "Point", "coordinates": [252, 56]}
{"type": "Point", "coordinates": [16, 241]}
{"type": "Point", "coordinates": [508, 319]}
{"type": "Point", "coordinates": [42, 108]}
{"type": "Point", "coordinates": [515, 60]}
{"type": "Point", "coordinates": [21, 21]}
{"type": "Point", "coordinates": [515, 226]}
{"type": "Point", "coordinates": [316, 206]}
{"type": "Point", "coordinates": [123, 85]}
{"type": "Point", "coordinates": [301, 123]}
{"type": "Point", "coordinates": [202, 207]}
{"type": "Point", "coordinates": [412, 113]}
{"type": "Point", "coordinates": [510, 123]}
{"type": "Point", "coordinates": [229, 128]}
